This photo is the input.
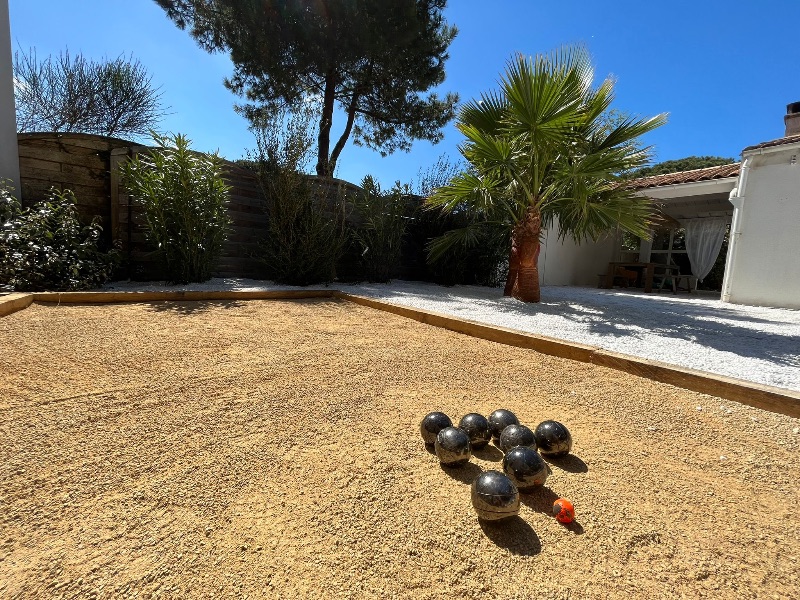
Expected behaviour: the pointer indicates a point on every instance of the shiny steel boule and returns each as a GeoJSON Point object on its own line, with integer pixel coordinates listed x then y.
{"type": "Point", "coordinates": [494, 496]}
{"type": "Point", "coordinates": [500, 419]}
{"type": "Point", "coordinates": [452, 447]}
{"type": "Point", "coordinates": [516, 435]}
{"type": "Point", "coordinates": [553, 439]}
{"type": "Point", "coordinates": [431, 425]}
{"type": "Point", "coordinates": [477, 428]}
{"type": "Point", "coordinates": [525, 468]}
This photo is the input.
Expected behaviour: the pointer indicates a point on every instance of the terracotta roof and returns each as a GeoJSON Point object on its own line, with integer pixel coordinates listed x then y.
{"type": "Point", "coordinates": [792, 139]}
{"type": "Point", "coordinates": [707, 174]}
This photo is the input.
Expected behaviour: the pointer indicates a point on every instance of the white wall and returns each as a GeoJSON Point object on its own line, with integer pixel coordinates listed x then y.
{"type": "Point", "coordinates": [764, 258]}
{"type": "Point", "coordinates": [567, 263]}
{"type": "Point", "coordinates": [9, 154]}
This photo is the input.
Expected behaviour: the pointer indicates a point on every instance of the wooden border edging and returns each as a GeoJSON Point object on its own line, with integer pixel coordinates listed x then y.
{"type": "Point", "coordinates": [765, 397]}
{"type": "Point", "coordinates": [14, 302]}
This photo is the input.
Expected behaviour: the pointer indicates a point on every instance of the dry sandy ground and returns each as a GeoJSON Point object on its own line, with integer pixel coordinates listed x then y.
{"type": "Point", "coordinates": [271, 449]}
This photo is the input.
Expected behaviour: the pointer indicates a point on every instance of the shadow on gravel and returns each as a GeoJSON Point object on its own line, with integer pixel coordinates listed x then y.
{"type": "Point", "coordinates": [569, 463]}
{"type": "Point", "coordinates": [465, 473]}
{"type": "Point", "coordinates": [541, 500]}
{"type": "Point", "coordinates": [614, 315]}
{"type": "Point", "coordinates": [488, 452]}
{"type": "Point", "coordinates": [191, 307]}
{"type": "Point", "coordinates": [575, 528]}
{"type": "Point", "coordinates": [513, 534]}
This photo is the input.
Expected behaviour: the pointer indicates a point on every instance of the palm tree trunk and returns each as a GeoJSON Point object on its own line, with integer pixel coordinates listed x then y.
{"type": "Point", "coordinates": [526, 236]}
{"type": "Point", "coordinates": [513, 266]}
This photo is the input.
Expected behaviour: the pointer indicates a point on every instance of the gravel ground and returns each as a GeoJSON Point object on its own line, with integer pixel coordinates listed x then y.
{"type": "Point", "coordinates": [755, 344]}
{"type": "Point", "coordinates": [271, 449]}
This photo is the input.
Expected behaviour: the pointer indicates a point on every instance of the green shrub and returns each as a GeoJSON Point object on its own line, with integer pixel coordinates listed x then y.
{"type": "Point", "coordinates": [184, 197]}
{"type": "Point", "coordinates": [380, 224]}
{"type": "Point", "coordinates": [306, 232]}
{"type": "Point", "coordinates": [46, 247]}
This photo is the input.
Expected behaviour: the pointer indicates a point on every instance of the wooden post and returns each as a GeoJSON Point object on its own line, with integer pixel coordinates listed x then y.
{"type": "Point", "coordinates": [118, 156]}
{"type": "Point", "coordinates": [9, 151]}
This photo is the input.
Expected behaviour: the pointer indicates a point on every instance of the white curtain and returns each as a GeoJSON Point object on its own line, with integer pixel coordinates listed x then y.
{"type": "Point", "coordinates": [703, 240]}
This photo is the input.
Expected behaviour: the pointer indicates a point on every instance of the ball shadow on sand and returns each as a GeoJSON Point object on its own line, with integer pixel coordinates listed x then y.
{"type": "Point", "coordinates": [513, 534]}
{"type": "Point", "coordinates": [464, 473]}
{"type": "Point", "coordinates": [540, 499]}
{"type": "Point", "coordinates": [488, 452]}
{"type": "Point", "coordinates": [569, 463]}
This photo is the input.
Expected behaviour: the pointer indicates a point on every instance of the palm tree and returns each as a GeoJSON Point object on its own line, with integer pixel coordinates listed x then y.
{"type": "Point", "coordinates": [544, 149]}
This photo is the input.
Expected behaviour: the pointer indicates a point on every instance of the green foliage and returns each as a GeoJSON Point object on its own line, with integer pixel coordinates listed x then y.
{"type": "Point", "coordinates": [683, 164]}
{"type": "Point", "coordinates": [47, 248]}
{"type": "Point", "coordinates": [306, 234]}
{"type": "Point", "coordinates": [547, 141]}
{"type": "Point", "coordinates": [111, 97]}
{"type": "Point", "coordinates": [184, 197]}
{"type": "Point", "coordinates": [375, 59]}
{"type": "Point", "coordinates": [381, 219]}
{"type": "Point", "coordinates": [481, 260]}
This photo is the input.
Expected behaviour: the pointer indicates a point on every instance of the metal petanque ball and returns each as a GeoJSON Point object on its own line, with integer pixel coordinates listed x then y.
{"type": "Point", "coordinates": [494, 496]}
{"type": "Point", "coordinates": [516, 435]}
{"type": "Point", "coordinates": [500, 419]}
{"type": "Point", "coordinates": [525, 468]}
{"type": "Point", "coordinates": [477, 428]}
{"type": "Point", "coordinates": [432, 424]}
{"type": "Point", "coordinates": [553, 439]}
{"type": "Point", "coordinates": [452, 447]}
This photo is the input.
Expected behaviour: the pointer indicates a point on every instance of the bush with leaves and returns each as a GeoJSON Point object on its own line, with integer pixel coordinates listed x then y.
{"type": "Point", "coordinates": [46, 247]}
{"type": "Point", "coordinates": [306, 232]}
{"type": "Point", "coordinates": [380, 224]}
{"type": "Point", "coordinates": [184, 196]}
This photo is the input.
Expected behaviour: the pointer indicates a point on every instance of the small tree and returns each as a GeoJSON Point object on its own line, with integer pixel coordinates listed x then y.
{"type": "Point", "coordinates": [381, 220]}
{"type": "Point", "coordinates": [184, 197]}
{"type": "Point", "coordinates": [112, 97]}
{"type": "Point", "coordinates": [306, 233]}
{"type": "Point", "coordinates": [544, 148]}
{"type": "Point", "coordinates": [374, 59]}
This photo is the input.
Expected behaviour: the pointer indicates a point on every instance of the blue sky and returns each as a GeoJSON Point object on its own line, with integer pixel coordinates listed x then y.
{"type": "Point", "coordinates": [724, 70]}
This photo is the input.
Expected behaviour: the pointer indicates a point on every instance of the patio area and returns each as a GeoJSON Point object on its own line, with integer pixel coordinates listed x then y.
{"type": "Point", "coordinates": [697, 331]}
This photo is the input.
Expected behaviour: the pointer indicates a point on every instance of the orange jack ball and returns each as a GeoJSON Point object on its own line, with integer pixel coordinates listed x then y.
{"type": "Point", "coordinates": [563, 511]}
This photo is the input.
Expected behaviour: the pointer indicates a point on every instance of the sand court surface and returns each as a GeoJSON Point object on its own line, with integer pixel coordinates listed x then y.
{"type": "Point", "coordinates": [271, 449]}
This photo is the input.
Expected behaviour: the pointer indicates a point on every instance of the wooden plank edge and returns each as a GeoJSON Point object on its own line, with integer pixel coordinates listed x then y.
{"type": "Point", "coordinates": [14, 302]}
{"type": "Point", "coordinates": [492, 333]}
{"type": "Point", "coordinates": [175, 295]}
{"type": "Point", "coordinates": [773, 399]}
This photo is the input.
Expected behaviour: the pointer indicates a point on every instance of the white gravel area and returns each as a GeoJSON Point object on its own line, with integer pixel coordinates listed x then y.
{"type": "Point", "coordinates": [756, 344]}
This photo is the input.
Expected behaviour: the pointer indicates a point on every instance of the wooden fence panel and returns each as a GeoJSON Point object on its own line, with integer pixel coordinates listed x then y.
{"type": "Point", "coordinates": [89, 166]}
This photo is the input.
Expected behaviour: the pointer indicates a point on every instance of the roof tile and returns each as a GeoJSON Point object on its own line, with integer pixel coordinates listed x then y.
{"type": "Point", "coordinates": [706, 174]}
{"type": "Point", "coordinates": [792, 139]}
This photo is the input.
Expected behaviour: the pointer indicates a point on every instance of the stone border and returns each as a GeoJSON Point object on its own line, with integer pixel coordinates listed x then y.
{"type": "Point", "coordinates": [765, 397]}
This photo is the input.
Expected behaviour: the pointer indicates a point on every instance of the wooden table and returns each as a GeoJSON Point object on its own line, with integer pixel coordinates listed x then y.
{"type": "Point", "coordinates": [649, 269]}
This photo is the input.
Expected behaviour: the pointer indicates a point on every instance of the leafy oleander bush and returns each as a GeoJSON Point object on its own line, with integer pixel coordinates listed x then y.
{"type": "Point", "coordinates": [306, 232]}
{"type": "Point", "coordinates": [184, 197]}
{"type": "Point", "coordinates": [46, 247]}
{"type": "Point", "coordinates": [380, 225]}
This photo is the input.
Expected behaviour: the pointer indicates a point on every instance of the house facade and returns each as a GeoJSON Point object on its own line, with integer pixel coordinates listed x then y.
{"type": "Point", "coordinates": [757, 201]}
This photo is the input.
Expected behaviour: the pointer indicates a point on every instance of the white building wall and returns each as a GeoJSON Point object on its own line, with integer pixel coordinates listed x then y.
{"type": "Point", "coordinates": [567, 263]}
{"type": "Point", "coordinates": [764, 257]}
{"type": "Point", "coordinates": [9, 154]}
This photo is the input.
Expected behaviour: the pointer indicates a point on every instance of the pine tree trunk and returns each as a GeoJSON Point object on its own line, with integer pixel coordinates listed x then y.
{"type": "Point", "coordinates": [526, 239]}
{"type": "Point", "coordinates": [325, 123]}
